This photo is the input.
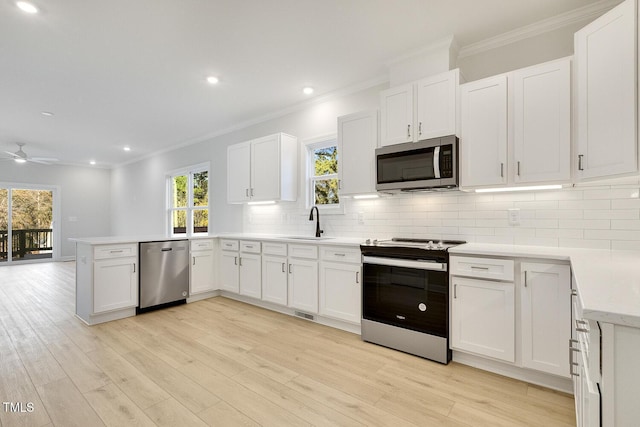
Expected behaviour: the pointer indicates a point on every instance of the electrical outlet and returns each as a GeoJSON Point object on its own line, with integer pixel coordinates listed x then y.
{"type": "Point", "coordinates": [361, 218]}
{"type": "Point", "coordinates": [514, 216]}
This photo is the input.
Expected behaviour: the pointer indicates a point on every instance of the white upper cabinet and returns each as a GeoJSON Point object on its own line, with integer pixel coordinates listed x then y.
{"type": "Point", "coordinates": [263, 169]}
{"type": "Point", "coordinates": [606, 109]}
{"type": "Point", "coordinates": [357, 141]}
{"type": "Point", "coordinates": [542, 123]}
{"type": "Point", "coordinates": [516, 127]}
{"type": "Point", "coordinates": [420, 110]}
{"type": "Point", "coordinates": [483, 145]}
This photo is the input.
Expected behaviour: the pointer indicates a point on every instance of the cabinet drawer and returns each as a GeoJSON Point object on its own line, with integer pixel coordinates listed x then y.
{"type": "Point", "coordinates": [329, 253]}
{"type": "Point", "coordinates": [115, 251]}
{"type": "Point", "coordinates": [272, 248]}
{"type": "Point", "coordinates": [249, 247]}
{"type": "Point", "coordinates": [229, 245]}
{"type": "Point", "coordinates": [303, 251]}
{"type": "Point", "coordinates": [486, 268]}
{"type": "Point", "coordinates": [201, 244]}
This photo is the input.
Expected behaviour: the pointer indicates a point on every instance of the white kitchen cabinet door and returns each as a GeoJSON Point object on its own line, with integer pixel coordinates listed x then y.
{"type": "Point", "coordinates": [545, 305]}
{"type": "Point", "coordinates": [483, 144]}
{"type": "Point", "coordinates": [238, 172]}
{"type": "Point", "coordinates": [436, 105]}
{"type": "Point", "coordinates": [201, 275]}
{"type": "Point", "coordinates": [397, 115]}
{"type": "Point", "coordinates": [230, 271]}
{"type": "Point", "coordinates": [274, 279]}
{"type": "Point", "coordinates": [542, 123]}
{"type": "Point", "coordinates": [606, 89]}
{"type": "Point", "coordinates": [483, 317]}
{"type": "Point", "coordinates": [115, 284]}
{"type": "Point", "coordinates": [265, 168]}
{"type": "Point", "coordinates": [250, 275]}
{"type": "Point", "coordinates": [341, 291]}
{"type": "Point", "coordinates": [303, 285]}
{"type": "Point", "coordinates": [357, 141]}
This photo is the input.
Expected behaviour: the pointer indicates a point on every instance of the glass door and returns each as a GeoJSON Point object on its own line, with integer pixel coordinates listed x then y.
{"type": "Point", "coordinates": [26, 224]}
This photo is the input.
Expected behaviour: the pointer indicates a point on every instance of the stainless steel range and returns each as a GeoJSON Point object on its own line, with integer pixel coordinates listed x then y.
{"type": "Point", "coordinates": [405, 295]}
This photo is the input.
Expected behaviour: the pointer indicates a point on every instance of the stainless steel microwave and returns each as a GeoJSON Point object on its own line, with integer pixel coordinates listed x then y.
{"type": "Point", "coordinates": [431, 164]}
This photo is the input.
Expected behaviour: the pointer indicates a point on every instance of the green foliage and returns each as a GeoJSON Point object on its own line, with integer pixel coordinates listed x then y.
{"type": "Point", "coordinates": [30, 209]}
{"type": "Point", "coordinates": [326, 163]}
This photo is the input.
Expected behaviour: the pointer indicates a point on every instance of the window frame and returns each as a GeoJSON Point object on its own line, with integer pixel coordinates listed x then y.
{"type": "Point", "coordinates": [190, 208]}
{"type": "Point", "coordinates": [312, 144]}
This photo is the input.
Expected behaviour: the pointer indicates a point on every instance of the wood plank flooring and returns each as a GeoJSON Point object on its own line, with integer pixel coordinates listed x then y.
{"type": "Point", "coordinates": [220, 362]}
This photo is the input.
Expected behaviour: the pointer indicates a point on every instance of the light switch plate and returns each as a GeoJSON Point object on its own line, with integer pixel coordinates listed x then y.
{"type": "Point", "coordinates": [514, 216]}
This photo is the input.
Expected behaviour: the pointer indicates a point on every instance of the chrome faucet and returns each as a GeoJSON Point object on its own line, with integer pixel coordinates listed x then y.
{"type": "Point", "coordinates": [318, 231]}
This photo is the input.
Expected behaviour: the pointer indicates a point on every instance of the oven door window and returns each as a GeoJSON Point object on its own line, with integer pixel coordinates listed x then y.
{"type": "Point", "coordinates": [406, 297]}
{"type": "Point", "coordinates": [414, 165]}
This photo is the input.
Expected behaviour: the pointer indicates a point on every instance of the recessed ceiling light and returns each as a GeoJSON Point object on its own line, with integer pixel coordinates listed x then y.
{"type": "Point", "coordinates": [47, 113]}
{"type": "Point", "coordinates": [92, 162]}
{"type": "Point", "coordinates": [27, 7]}
{"type": "Point", "coordinates": [307, 90]}
{"type": "Point", "coordinates": [127, 148]}
{"type": "Point", "coordinates": [18, 160]}
{"type": "Point", "coordinates": [213, 80]}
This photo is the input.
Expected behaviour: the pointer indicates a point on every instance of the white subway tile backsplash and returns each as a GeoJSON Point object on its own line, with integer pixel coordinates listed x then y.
{"type": "Point", "coordinates": [588, 216]}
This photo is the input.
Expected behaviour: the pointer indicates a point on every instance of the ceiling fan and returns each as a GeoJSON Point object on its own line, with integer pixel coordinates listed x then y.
{"type": "Point", "coordinates": [21, 157]}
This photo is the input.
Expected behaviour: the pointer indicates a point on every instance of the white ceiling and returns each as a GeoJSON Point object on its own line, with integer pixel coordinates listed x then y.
{"type": "Point", "coordinates": [122, 72]}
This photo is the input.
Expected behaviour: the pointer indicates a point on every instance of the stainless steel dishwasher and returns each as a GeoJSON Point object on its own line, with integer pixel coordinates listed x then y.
{"type": "Point", "coordinates": [164, 273]}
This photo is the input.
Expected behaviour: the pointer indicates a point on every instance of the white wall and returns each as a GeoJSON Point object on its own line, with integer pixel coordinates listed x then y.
{"type": "Point", "coordinates": [138, 189]}
{"type": "Point", "coordinates": [84, 194]}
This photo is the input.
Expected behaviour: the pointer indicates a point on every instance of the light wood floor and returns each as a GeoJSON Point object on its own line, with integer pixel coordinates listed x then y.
{"type": "Point", "coordinates": [221, 362]}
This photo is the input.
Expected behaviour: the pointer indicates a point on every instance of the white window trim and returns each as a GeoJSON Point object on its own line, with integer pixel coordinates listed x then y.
{"type": "Point", "coordinates": [188, 171]}
{"type": "Point", "coordinates": [311, 144]}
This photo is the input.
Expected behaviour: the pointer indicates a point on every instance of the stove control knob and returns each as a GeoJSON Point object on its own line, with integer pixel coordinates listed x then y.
{"type": "Point", "coordinates": [375, 242]}
{"type": "Point", "coordinates": [430, 244]}
{"type": "Point", "coordinates": [367, 242]}
{"type": "Point", "coordinates": [440, 245]}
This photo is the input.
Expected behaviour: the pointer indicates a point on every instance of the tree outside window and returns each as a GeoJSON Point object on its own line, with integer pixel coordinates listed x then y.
{"type": "Point", "coordinates": [323, 171]}
{"type": "Point", "coordinates": [188, 204]}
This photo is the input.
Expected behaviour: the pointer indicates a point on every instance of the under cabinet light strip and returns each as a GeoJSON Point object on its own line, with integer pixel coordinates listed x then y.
{"type": "Point", "coordinates": [529, 188]}
{"type": "Point", "coordinates": [270, 202]}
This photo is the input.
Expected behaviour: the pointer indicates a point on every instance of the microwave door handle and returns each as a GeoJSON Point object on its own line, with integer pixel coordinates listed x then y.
{"type": "Point", "coordinates": [436, 162]}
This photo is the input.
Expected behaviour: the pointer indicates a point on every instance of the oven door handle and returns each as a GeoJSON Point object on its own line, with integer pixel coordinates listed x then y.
{"type": "Point", "coordinates": [395, 262]}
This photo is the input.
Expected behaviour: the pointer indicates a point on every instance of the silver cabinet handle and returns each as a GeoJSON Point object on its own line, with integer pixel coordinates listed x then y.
{"type": "Point", "coordinates": [525, 278]}
{"type": "Point", "coordinates": [455, 291]}
{"type": "Point", "coordinates": [580, 329]}
{"type": "Point", "coordinates": [235, 260]}
{"type": "Point", "coordinates": [501, 170]}
{"type": "Point", "coordinates": [357, 277]}
{"type": "Point", "coordinates": [580, 156]}
{"type": "Point", "coordinates": [134, 267]}
{"type": "Point", "coordinates": [116, 252]}
{"type": "Point", "coordinates": [240, 261]}
{"type": "Point", "coordinates": [283, 267]}
{"type": "Point", "coordinates": [339, 184]}
{"type": "Point", "coordinates": [408, 131]}
{"type": "Point", "coordinates": [252, 192]}
{"type": "Point", "coordinates": [246, 192]}
{"type": "Point", "coordinates": [339, 254]}
{"type": "Point", "coordinates": [289, 268]}
{"type": "Point", "coordinates": [420, 129]}
{"type": "Point", "coordinates": [194, 260]}
{"type": "Point", "coordinates": [518, 168]}
{"type": "Point", "coordinates": [475, 267]}
{"type": "Point", "coordinates": [574, 293]}
{"type": "Point", "coordinates": [249, 246]}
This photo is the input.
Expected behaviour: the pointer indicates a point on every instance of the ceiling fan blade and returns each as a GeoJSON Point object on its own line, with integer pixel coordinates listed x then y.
{"type": "Point", "coordinates": [43, 159]}
{"type": "Point", "coordinates": [12, 154]}
{"type": "Point", "coordinates": [41, 162]}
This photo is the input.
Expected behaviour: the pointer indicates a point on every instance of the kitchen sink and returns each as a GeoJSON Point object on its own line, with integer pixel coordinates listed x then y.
{"type": "Point", "coordinates": [307, 238]}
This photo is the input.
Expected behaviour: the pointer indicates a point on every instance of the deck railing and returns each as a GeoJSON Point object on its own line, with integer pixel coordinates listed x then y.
{"type": "Point", "coordinates": [27, 243]}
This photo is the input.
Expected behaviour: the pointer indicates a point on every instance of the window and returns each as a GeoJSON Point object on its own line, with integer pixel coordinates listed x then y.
{"type": "Point", "coordinates": [323, 173]}
{"type": "Point", "coordinates": [188, 201]}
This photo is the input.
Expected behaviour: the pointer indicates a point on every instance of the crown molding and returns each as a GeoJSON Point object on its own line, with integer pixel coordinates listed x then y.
{"type": "Point", "coordinates": [581, 14]}
{"type": "Point", "coordinates": [448, 42]}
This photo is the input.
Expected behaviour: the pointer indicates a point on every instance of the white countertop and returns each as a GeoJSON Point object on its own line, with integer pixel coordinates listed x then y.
{"type": "Point", "coordinates": [608, 281]}
{"type": "Point", "coordinates": [114, 240]}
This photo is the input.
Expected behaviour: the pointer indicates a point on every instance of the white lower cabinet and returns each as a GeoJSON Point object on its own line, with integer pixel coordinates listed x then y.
{"type": "Point", "coordinates": [115, 284]}
{"type": "Point", "coordinates": [230, 267]}
{"type": "Point", "coordinates": [303, 277]}
{"type": "Point", "coordinates": [526, 322]}
{"type": "Point", "coordinates": [250, 275]}
{"type": "Point", "coordinates": [483, 317]}
{"type": "Point", "coordinates": [545, 296]}
{"type": "Point", "coordinates": [202, 267]}
{"type": "Point", "coordinates": [274, 279]}
{"type": "Point", "coordinates": [340, 291]}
